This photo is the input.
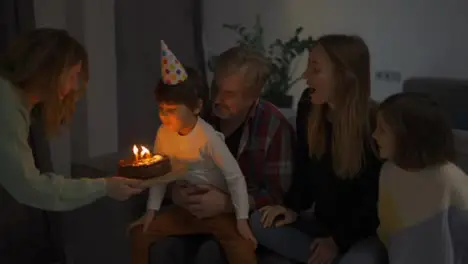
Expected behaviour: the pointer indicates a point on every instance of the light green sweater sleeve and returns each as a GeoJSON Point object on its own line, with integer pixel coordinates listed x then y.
{"type": "Point", "coordinates": [18, 173]}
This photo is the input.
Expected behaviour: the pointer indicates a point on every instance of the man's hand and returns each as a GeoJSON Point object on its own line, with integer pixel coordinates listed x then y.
{"type": "Point", "coordinates": [180, 192]}
{"type": "Point", "coordinates": [324, 251]}
{"type": "Point", "coordinates": [208, 201]}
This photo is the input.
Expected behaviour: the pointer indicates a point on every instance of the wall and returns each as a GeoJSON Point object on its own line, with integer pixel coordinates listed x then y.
{"type": "Point", "coordinates": [416, 38]}
{"type": "Point", "coordinates": [94, 131]}
{"type": "Point", "coordinates": [99, 28]}
{"type": "Point", "coordinates": [140, 26]}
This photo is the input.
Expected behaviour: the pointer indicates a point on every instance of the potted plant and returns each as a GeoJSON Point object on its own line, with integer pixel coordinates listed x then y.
{"type": "Point", "coordinates": [280, 53]}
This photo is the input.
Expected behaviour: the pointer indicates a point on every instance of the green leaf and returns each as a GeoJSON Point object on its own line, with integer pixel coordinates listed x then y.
{"type": "Point", "coordinates": [231, 26]}
{"type": "Point", "coordinates": [242, 30]}
{"type": "Point", "coordinates": [299, 30]}
{"type": "Point", "coordinates": [280, 53]}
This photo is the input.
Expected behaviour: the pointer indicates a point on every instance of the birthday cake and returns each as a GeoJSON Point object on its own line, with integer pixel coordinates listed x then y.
{"type": "Point", "coordinates": [144, 165]}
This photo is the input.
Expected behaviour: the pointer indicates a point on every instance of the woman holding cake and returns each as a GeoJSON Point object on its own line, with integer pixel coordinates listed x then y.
{"type": "Point", "coordinates": [186, 137]}
{"type": "Point", "coordinates": [45, 67]}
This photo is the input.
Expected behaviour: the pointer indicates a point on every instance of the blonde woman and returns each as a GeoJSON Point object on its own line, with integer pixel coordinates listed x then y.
{"type": "Point", "coordinates": [45, 67]}
{"type": "Point", "coordinates": [337, 169]}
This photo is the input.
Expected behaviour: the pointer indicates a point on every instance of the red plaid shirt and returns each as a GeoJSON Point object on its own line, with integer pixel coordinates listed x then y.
{"type": "Point", "coordinates": [265, 153]}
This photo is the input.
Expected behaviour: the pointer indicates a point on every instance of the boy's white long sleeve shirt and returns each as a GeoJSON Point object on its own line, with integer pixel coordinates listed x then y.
{"type": "Point", "coordinates": [209, 162]}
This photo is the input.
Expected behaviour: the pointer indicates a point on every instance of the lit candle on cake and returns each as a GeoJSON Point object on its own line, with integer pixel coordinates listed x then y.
{"type": "Point", "coordinates": [135, 152]}
{"type": "Point", "coordinates": [144, 164]}
{"type": "Point", "coordinates": [143, 155]}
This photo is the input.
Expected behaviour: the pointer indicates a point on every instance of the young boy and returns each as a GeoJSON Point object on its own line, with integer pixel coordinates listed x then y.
{"type": "Point", "coordinates": [185, 137]}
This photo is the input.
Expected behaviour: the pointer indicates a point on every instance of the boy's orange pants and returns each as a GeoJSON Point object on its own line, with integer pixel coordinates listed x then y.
{"type": "Point", "coordinates": [177, 221]}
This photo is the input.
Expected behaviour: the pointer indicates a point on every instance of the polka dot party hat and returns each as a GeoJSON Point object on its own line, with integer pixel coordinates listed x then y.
{"type": "Point", "coordinates": [172, 71]}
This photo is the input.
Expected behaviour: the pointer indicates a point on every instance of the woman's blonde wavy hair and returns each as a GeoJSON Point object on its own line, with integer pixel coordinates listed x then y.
{"type": "Point", "coordinates": [37, 62]}
{"type": "Point", "coordinates": [351, 127]}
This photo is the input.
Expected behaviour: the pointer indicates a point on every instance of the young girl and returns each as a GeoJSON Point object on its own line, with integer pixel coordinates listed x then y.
{"type": "Point", "coordinates": [184, 136]}
{"type": "Point", "coordinates": [423, 204]}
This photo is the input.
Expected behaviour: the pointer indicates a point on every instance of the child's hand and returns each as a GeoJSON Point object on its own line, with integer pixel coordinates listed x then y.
{"type": "Point", "coordinates": [144, 220]}
{"type": "Point", "coordinates": [244, 230]}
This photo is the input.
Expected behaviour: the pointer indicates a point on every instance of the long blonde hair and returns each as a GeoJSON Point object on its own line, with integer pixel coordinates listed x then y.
{"type": "Point", "coordinates": [37, 61]}
{"type": "Point", "coordinates": [351, 134]}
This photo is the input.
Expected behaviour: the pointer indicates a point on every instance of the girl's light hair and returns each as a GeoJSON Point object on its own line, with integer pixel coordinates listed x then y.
{"type": "Point", "coordinates": [37, 63]}
{"type": "Point", "coordinates": [351, 115]}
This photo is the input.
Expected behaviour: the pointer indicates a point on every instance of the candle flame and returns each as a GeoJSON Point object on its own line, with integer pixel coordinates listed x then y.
{"type": "Point", "coordinates": [135, 152]}
{"type": "Point", "coordinates": [141, 152]}
{"type": "Point", "coordinates": [145, 152]}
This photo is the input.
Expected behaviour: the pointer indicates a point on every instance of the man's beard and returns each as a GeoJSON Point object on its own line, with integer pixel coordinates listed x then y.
{"type": "Point", "coordinates": [222, 111]}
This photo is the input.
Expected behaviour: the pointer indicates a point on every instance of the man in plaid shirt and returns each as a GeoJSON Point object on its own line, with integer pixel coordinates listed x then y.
{"type": "Point", "coordinates": [262, 145]}
{"type": "Point", "coordinates": [257, 134]}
